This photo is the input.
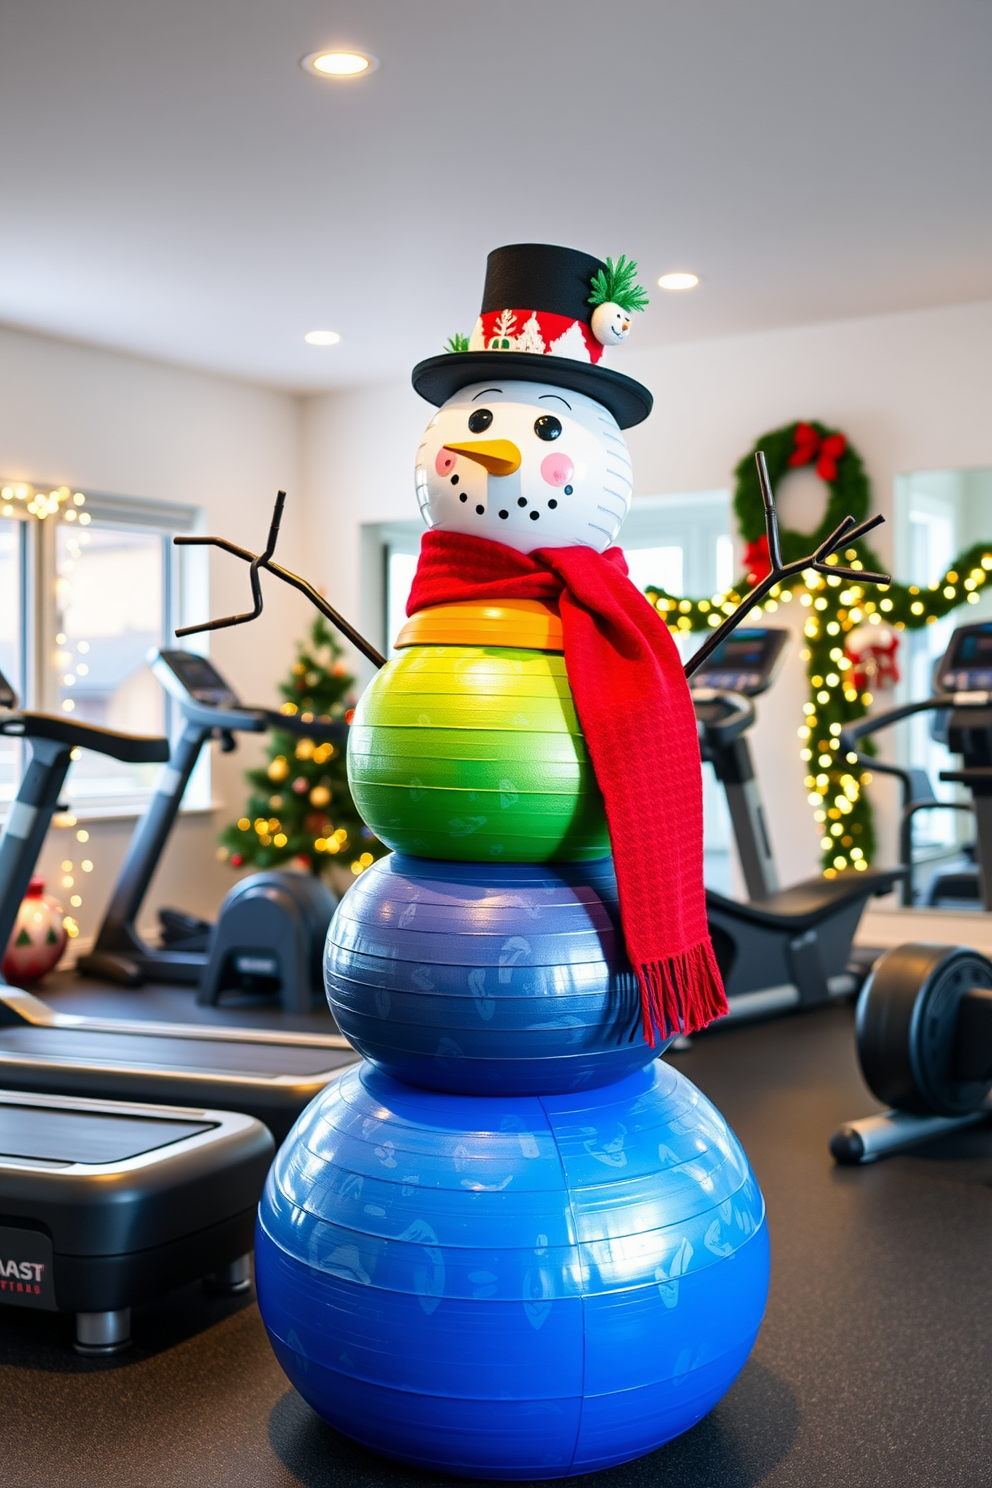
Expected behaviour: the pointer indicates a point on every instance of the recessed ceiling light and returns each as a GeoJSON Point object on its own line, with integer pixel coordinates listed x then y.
{"type": "Point", "coordinates": [340, 64]}
{"type": "Point", "coordinates": [678, 281]}
{"type": "Point", "coordinates": [322, 338]}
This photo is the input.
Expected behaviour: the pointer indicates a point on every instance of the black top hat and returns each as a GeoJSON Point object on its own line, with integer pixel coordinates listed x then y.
{"type": "Point", "coordinates": [535, 326]}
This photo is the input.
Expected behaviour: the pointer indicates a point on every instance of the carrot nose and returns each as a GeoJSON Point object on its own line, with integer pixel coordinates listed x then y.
{"type": "Point", "coordinates": [498, 456]}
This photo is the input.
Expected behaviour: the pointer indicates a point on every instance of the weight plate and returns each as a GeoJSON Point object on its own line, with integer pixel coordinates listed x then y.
{"type": "Point", "coordinates": [906, 1021]}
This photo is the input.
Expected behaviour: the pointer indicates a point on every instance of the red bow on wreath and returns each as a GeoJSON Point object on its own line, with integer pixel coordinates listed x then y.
{"type": "Point", "coordinates": [809, 445]}
{"type": "Point", "coordinates": [757, 560]}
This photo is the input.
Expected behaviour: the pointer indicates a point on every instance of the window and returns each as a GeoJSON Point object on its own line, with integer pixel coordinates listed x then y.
{"type": "Point", "coordinates": [681, 542]}
{"type": "Point", "coordinates": [108, 586]}
{"type": "Point", "coordinates": [401, 565]}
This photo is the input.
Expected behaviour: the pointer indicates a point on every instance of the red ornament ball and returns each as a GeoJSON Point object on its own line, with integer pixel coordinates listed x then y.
{"type": "Point", "coordinates": [38, 938]}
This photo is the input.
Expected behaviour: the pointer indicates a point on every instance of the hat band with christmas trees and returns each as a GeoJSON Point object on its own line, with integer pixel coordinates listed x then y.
{"type": "Point", "coordinates": [549, 312]}
{"type": "Point", "coordinates": [539, 332]}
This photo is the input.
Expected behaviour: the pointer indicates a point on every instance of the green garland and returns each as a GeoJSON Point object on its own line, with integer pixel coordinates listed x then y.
{"type": "Point", "coordinates": [836, 607]}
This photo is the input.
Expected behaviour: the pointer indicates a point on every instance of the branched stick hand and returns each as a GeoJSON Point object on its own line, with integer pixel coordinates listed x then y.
{"type": "Point", "coordinates": [847, 532]}
{"type": "Point", "coordinates": [258, 561]}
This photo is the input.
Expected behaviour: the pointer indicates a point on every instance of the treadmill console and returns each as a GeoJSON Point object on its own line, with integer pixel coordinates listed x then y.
{"type": "Point", "coordinates": [967, 663]}
{"type": "Point", "coordinates": [747, 661]}
{"type": "Point", "coordinates": [188, 676]}
{"type": "Point", "coordinates": [8, 697]}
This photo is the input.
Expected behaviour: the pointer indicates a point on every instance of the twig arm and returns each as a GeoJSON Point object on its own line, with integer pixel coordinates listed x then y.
{"type": "Point", "coordinates": [257, 562]}
{"type": "Point", "coordinates": [731, 623]}
{"type": "Point", "coordinates": [329, 613]}
{"type": "Point", "coordinates": [846, 532]}
{"type": "Point", "coordinates": [771, 517]}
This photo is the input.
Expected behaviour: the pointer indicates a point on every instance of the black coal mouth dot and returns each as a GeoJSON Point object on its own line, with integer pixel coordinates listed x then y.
{"type": "Point", "coordinates": [480, 510]}
{"type": "Point", "coordinates": [454, 480]}
{"type": "Point", "coordinates": [552, 503]}
{"type": "Point", "coordinates": [521, 500]}
{"type": "Point", "coordinates": [535, 516]}
{"type": "Point", "coordinates": [504, 515]}
{"type": "Point", "coordinates": [463, 496]}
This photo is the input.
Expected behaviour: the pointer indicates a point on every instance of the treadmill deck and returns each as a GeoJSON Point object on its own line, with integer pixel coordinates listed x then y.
{"type": "Point", "coordinates": [62, 1137]}
{"type": "Point", "coordinates": [206, 1056]}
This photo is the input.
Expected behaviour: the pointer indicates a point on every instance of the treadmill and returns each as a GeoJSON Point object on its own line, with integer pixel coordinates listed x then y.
{"type": "Point", "coordinates": [262, 1073]}
{"type": "Point", "coordinates": [210, 709]}
{"type": "Point", "coordinates": [781, 949]}
{"type": "Point", "coordinates": [743, 667]}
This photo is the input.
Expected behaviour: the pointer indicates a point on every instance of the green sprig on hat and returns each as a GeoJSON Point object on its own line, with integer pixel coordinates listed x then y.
{"type": "Point", "coordinates": [617, 285]}
{"type": "Point", "coordinates": [456, 343]}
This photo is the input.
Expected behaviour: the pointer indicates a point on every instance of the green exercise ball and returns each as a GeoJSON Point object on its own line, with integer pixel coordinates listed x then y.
{"type": "Point", "coordinates": [474, 753]}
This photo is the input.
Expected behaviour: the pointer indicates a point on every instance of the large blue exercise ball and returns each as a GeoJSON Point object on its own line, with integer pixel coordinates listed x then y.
{"type": "Point", "coordinates": [512, 1287]}
{"type": "Point", "coordinates": [488, 978]}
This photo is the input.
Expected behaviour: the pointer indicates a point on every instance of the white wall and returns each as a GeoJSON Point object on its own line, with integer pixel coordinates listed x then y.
{"type": "Point", "coordinates": [121, 425]}
{"type": "Point", "coordinates": [911, 391]}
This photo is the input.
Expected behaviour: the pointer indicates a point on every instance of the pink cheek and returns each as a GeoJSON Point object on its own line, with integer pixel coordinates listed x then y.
{"type": "Point", "coordinates": [445, 462]}
{"type": "Point", "coordinates": [557, 469]}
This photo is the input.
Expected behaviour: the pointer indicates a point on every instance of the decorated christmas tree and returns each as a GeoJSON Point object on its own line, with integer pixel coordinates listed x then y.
{"type": "Point", "coordinates": [300, 809]}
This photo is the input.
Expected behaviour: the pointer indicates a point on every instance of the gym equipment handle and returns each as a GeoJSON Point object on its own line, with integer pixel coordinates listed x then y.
{"type": "Point", "coordinates": [132, 749]}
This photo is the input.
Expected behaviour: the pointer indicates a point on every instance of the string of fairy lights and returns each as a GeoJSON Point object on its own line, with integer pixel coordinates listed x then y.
{"type": "Point", "coordinates": [837, 607]}
{"type": "Point", "coordinates": [23, 500]}
{"type": "Point", "coordinates": [61, 501]}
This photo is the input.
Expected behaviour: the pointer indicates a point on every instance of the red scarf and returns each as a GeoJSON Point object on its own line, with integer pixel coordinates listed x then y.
{"type": "Point", "coordinates": [640, 728]}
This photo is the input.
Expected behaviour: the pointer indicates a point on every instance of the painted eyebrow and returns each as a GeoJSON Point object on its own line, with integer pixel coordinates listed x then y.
{"type": "Point", "coordinates": [542, 396]}
{"type": "Point", "coordinates": [485, 391]}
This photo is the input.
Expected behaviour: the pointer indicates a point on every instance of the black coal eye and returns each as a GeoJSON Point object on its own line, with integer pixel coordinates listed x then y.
{"type": "Point", "coordinates": [547, 426]}
{"type": "Point", "coordinates": [479, 420]}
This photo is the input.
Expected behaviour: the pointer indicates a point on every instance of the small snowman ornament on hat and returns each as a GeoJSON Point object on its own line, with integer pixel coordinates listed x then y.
{"type": "Point", "coordinates": [526, 448]}
{"type": "Point", "coordinates": [615, 295]}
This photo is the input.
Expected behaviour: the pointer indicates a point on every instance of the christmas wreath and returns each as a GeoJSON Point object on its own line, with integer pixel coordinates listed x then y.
{"type": "Point", "coordinates": [851, 632]}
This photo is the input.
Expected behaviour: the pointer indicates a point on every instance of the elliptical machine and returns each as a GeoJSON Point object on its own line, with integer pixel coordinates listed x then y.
{"type": "Point", "coordinates": [270, 931]}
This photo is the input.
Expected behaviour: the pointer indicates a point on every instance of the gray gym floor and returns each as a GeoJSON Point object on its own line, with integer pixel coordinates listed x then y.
{"type": "Point", "coordinates": [872, 1370]}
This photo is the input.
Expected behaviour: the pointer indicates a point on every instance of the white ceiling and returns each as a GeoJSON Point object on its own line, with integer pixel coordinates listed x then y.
{"type": "Point", "coordinates": [173, 184]}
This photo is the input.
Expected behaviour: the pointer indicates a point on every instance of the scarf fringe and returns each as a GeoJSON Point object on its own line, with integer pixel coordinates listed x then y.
{"type": "Point", "coordinates": [682, 993]}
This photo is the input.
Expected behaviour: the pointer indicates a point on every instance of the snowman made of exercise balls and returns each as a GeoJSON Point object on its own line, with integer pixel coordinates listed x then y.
{"type": "Point", "coordinates": [552, 1003]}
{"type": "Point", "coordinates": [513, 1243]}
